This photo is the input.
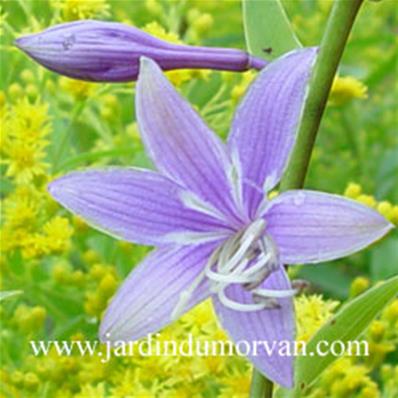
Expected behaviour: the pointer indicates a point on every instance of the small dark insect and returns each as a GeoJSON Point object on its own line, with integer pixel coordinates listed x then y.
{"type": "Point", "coordinates": [268, 50]}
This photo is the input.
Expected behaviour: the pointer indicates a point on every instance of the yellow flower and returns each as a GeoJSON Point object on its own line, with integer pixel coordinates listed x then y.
{"type": "Point", "coordinates": [26, 126]}
{"type": "Point", "coordinates": [200, 318]}
{"type": "Point", "coordinates": [58, 232]}
{"type": "Point", "coordinates": [312, 312]}
{"type": "Point", "coordinates": [77, 88]}
{"type": "Point", "coordinates": [236, 384]}
{"type": "Point", "coordinates": [29, 120]}
{"type": "Point", "coordinates": [387, 209]}
{"type": "Point", "coordinates": [359, 285]}
{"type": "Point", "coordinates": [15, 91]}
{"type": "Point", "coordinates": [367, 200]}
{"type": "Point", "coordinates": [29, 319]}
{"type": "Point", "coordinates": [344, 378]}
{"type": "Point", "coordinates": [344, 89]}
{"type": "Point", "coordinates": [83, 9]}
{"type": "Point", "coordinates": [105, 286]}
{"type": "Point", "coordinates": [25, 161]}
{"type": "Point", "coordinates": [90, 391]}
{"type": "Point", "coordinates": [55, 238]}
{"type": "Point", "coordinates": [353, 190]}
{"type": "Point", "coordinates": [20, 213]}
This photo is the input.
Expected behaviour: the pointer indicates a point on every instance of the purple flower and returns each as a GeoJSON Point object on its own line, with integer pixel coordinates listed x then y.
{"type": "Point", "coordinates": [207, 211]}
{"type": "Point", "coordinates": [109, 51]}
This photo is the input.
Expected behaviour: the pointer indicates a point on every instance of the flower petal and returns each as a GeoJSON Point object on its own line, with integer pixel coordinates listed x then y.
{"type": "Point", "coordinates": [148, 296]}
{"type": "Point", "coordinates": [178, 141]}
{"type": "Point", "coordinates": [264, 128]}
{"type": "Point", "coordinates": [311, 227]}
{"type": "Point", "coordinates": [269, 326]}
{"type": "Point", "coordinates": [131, 204]}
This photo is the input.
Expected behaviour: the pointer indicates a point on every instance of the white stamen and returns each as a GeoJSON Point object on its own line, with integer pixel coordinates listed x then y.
{"type": "Point", "coordinates": [233, 277]}
{"type": "Point", "coordinates": [242, 307]}
{"type": "Point", "coordinates": [245, 259]}
{"type": "Point", "coordinates": [275, 293]}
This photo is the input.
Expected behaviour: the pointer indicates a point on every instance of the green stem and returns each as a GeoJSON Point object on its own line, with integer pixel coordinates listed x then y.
{"type": "Point", "coordinates": [260, 386]}
{"type": "Point", "coordinates": [332, 46]}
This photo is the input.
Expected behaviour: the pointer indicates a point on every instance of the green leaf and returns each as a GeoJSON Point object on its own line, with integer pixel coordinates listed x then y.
{"type": "Point", "coordinates": [268, 31]}
{"type": "Point", "coordinates": [347, 325]}
{"type": "Point", "coordinates": [9, 293]}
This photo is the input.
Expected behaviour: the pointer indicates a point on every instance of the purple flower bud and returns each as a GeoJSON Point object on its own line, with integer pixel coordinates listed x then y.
{"type": "Point", "coordinates": [110, 52]}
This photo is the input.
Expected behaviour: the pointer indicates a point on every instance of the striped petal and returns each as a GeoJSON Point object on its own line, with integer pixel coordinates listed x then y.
{"type": "Point", "coordinates": [147, 298]}
{"type": "Point", "coordinates": [178, 141]}
{"type": "Point", "coordinates": [264, 128]}
{"type": "Point", "coordinates": [268, 329]}
{"type": "Point", "coordinates": [132, 204]}
{"type": "Point", "coordinates": [311, 227]}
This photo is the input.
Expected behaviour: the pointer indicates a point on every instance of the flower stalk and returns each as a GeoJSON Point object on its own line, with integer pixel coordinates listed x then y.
{"type": "Point", "coordinates": [260, 385]}
{"type": "Point", "coordinates": [338, 28]}
{"type": "Point", "coordinates": [337, 31]}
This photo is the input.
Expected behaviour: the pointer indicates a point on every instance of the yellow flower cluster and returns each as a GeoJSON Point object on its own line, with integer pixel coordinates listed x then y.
{"type": "Point", "coordinates": [345, 89]}
{"type": "Point", "coordinates": [149, 376]}
{"type": "Point", "coordinates": [72, 10]}
{"type": "Point", "coordinates": [387, 209]}
{"type": "Point", "coordinates": [29, 319]}
{"type": "Point", "coordinates": [29, 224]}
{"type": "Point", "coordinates": [383, 335]}
{"type": "Point", "coordinates": [315, 309]}
{"type": "Point", "coordinates": [198, 23]}
{"type": "Point", "coordinates": [78, 89]}
{"type": "Point", "coordinates": [53, 239]}
{"type": "Point", "coordinates": [344, 378]}
{"type": "Point", "coordinates": [25, 127]}
{"type": "Point", "coordinates": [102, 284]}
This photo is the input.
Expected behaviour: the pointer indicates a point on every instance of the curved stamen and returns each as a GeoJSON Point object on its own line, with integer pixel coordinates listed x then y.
{"type": "Point", "coordinates": [242, 307]}
{"type": "Point", "coordinates": [246, 259]}
{"type": "Point", "coordinates": [232, 277]}
{"type": "Point", "coordinates": [274, 293]}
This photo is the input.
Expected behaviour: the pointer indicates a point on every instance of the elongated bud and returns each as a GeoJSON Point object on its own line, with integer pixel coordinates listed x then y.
{"type": "Point", "coordinates": [110, 52]}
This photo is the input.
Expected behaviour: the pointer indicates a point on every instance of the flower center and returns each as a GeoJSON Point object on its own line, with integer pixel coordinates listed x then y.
{"type": "Point", "coordinates": [246, 258]}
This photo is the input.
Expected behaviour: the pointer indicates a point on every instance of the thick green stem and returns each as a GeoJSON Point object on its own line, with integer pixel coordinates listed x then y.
{"type": "Point", "coordinates": [332, 46]}
{"type": "Point", "coordinates": [260, 386]}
